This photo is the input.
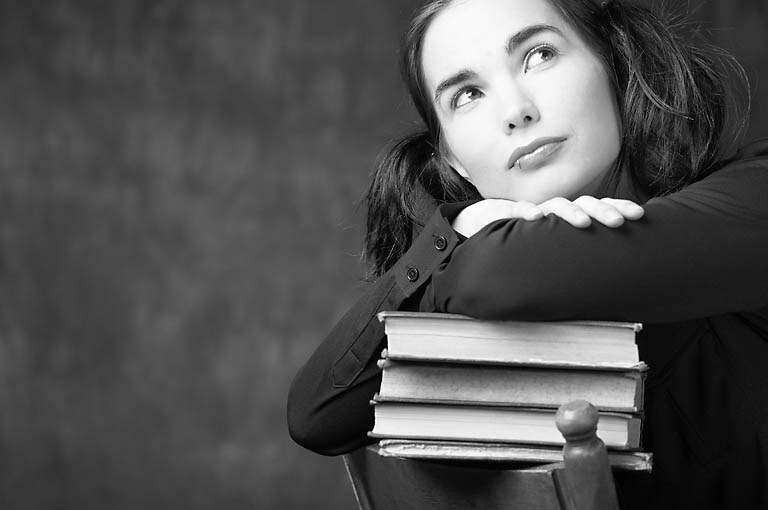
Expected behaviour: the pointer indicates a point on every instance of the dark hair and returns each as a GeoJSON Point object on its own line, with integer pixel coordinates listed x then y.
{"type": "Point", "coordinates": [680, 109]}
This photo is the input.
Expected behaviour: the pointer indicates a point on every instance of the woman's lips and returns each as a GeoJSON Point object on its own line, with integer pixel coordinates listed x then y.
{"type": "Point", "coordinates": [535, 154]}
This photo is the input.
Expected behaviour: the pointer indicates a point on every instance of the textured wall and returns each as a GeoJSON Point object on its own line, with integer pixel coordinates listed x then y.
{"type": "Point", "coordinates": [178, 229]}
{"type": "Point", "coordinates": [177, 226]}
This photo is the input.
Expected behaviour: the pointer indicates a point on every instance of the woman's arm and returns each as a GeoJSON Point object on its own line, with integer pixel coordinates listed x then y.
{"type": "Point", "coordinates": [329, 408]}
{"type": "Point", "coordinates": [699, 252]}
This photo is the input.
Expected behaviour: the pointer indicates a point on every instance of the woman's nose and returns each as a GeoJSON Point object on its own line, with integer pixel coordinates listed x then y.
{"type": "Point", "coordinates": [519, 111]}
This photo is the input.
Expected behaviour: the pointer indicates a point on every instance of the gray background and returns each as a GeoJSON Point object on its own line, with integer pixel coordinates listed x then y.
{"type": "Point", "coordinates": [179, 228]}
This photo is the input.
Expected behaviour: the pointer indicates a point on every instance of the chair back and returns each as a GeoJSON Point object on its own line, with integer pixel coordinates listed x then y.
{"type": "Point", "coordinates": [583, 481]}
{"type": "Point", "coordinates": [392, 483]}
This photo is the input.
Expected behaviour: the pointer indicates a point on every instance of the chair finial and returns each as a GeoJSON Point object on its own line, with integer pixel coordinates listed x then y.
{"type": "Point", "coordinates": [577, 420]}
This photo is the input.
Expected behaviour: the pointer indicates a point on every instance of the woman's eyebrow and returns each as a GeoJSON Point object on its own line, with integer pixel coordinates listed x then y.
{"type": "Point", "coordinates": [454, 79]}
{"type": "Point", "coordinates": [528, 32]}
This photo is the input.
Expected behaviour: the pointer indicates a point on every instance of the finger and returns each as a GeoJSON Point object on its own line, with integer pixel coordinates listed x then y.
{"type": "Point", "coordinates": [567, 210]}
{"type": "Point", "coordinates": [603, 212]}
{"type": "Point", "coordinates": [627, 208]}
{"type": "Point", "coordinates": [528, 211]}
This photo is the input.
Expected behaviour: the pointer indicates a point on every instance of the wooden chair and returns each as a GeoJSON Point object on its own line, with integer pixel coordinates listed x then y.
{"type": "Point", "coordinates": [583, 481]}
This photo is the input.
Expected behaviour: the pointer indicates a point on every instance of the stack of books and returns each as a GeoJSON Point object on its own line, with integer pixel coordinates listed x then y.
{"type": "Point", "coordinates": [462, 388]}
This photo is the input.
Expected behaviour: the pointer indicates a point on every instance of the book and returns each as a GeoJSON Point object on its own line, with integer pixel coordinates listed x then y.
{"type": "Point", "coordinates": [394, 420]}
{"type": "Point", "coordinates": [501, 453]}
{"type": "Point", "coordinates": [510, 385]}
{"type": "Point", "coordinates": [457, 338]}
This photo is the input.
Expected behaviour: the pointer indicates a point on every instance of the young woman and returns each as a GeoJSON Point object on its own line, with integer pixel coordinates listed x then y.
{"type": "Point", "coordinates": [541, 115]}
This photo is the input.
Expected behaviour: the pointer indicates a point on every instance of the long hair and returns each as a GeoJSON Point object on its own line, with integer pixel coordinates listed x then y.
{"type": "Point", "coordinates": [680, 106]}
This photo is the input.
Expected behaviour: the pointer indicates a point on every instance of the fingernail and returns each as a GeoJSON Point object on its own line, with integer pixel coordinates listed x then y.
{"type": "Point", "coordinates": [582, 219]}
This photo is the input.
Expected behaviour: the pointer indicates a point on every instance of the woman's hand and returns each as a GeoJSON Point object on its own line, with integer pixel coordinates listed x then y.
{"type": "Point", "coordinates": [611, 212]}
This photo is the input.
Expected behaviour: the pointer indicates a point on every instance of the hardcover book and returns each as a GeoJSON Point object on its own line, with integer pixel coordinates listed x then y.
{"type": "Point", "coordinates": [501, 453]}
{"type": "Point", "coordinates": [510, 385]}
{"type": "Point", "coordinates": [460, 339]}
{"type": "Point", "coordinates": [492, 424]}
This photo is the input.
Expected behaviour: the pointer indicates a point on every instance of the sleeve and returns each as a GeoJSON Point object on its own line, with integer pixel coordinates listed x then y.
{"type": "Point", "coordinates": [696, 253]}
{"type": "Point", "coordinates": [329, 409]}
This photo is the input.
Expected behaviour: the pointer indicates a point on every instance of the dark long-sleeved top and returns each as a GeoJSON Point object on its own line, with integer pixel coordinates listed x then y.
{"type": "Point", "coordinates": [694, 271]}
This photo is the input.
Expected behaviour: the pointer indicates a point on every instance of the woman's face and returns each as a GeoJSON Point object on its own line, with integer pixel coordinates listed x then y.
{"type": "Point", "coordinates": [526, 109]}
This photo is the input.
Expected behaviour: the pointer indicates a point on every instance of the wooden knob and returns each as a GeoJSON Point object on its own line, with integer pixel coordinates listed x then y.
{"type": "Point", "coordinates": [577, 420]}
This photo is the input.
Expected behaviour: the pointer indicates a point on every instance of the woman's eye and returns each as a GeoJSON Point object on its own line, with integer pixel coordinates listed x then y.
{"type": "Point", "coordinates": [539, 55]}
{"type": "Point", "coordinates": [465, 96]}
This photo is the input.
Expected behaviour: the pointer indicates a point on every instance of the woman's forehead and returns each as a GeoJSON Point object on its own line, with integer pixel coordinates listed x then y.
{"type": "Point", "coordinates": [466, 28]}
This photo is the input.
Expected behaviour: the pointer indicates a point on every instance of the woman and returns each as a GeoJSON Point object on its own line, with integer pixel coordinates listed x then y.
{"type": "Point", "coordinates": [554, 112]}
